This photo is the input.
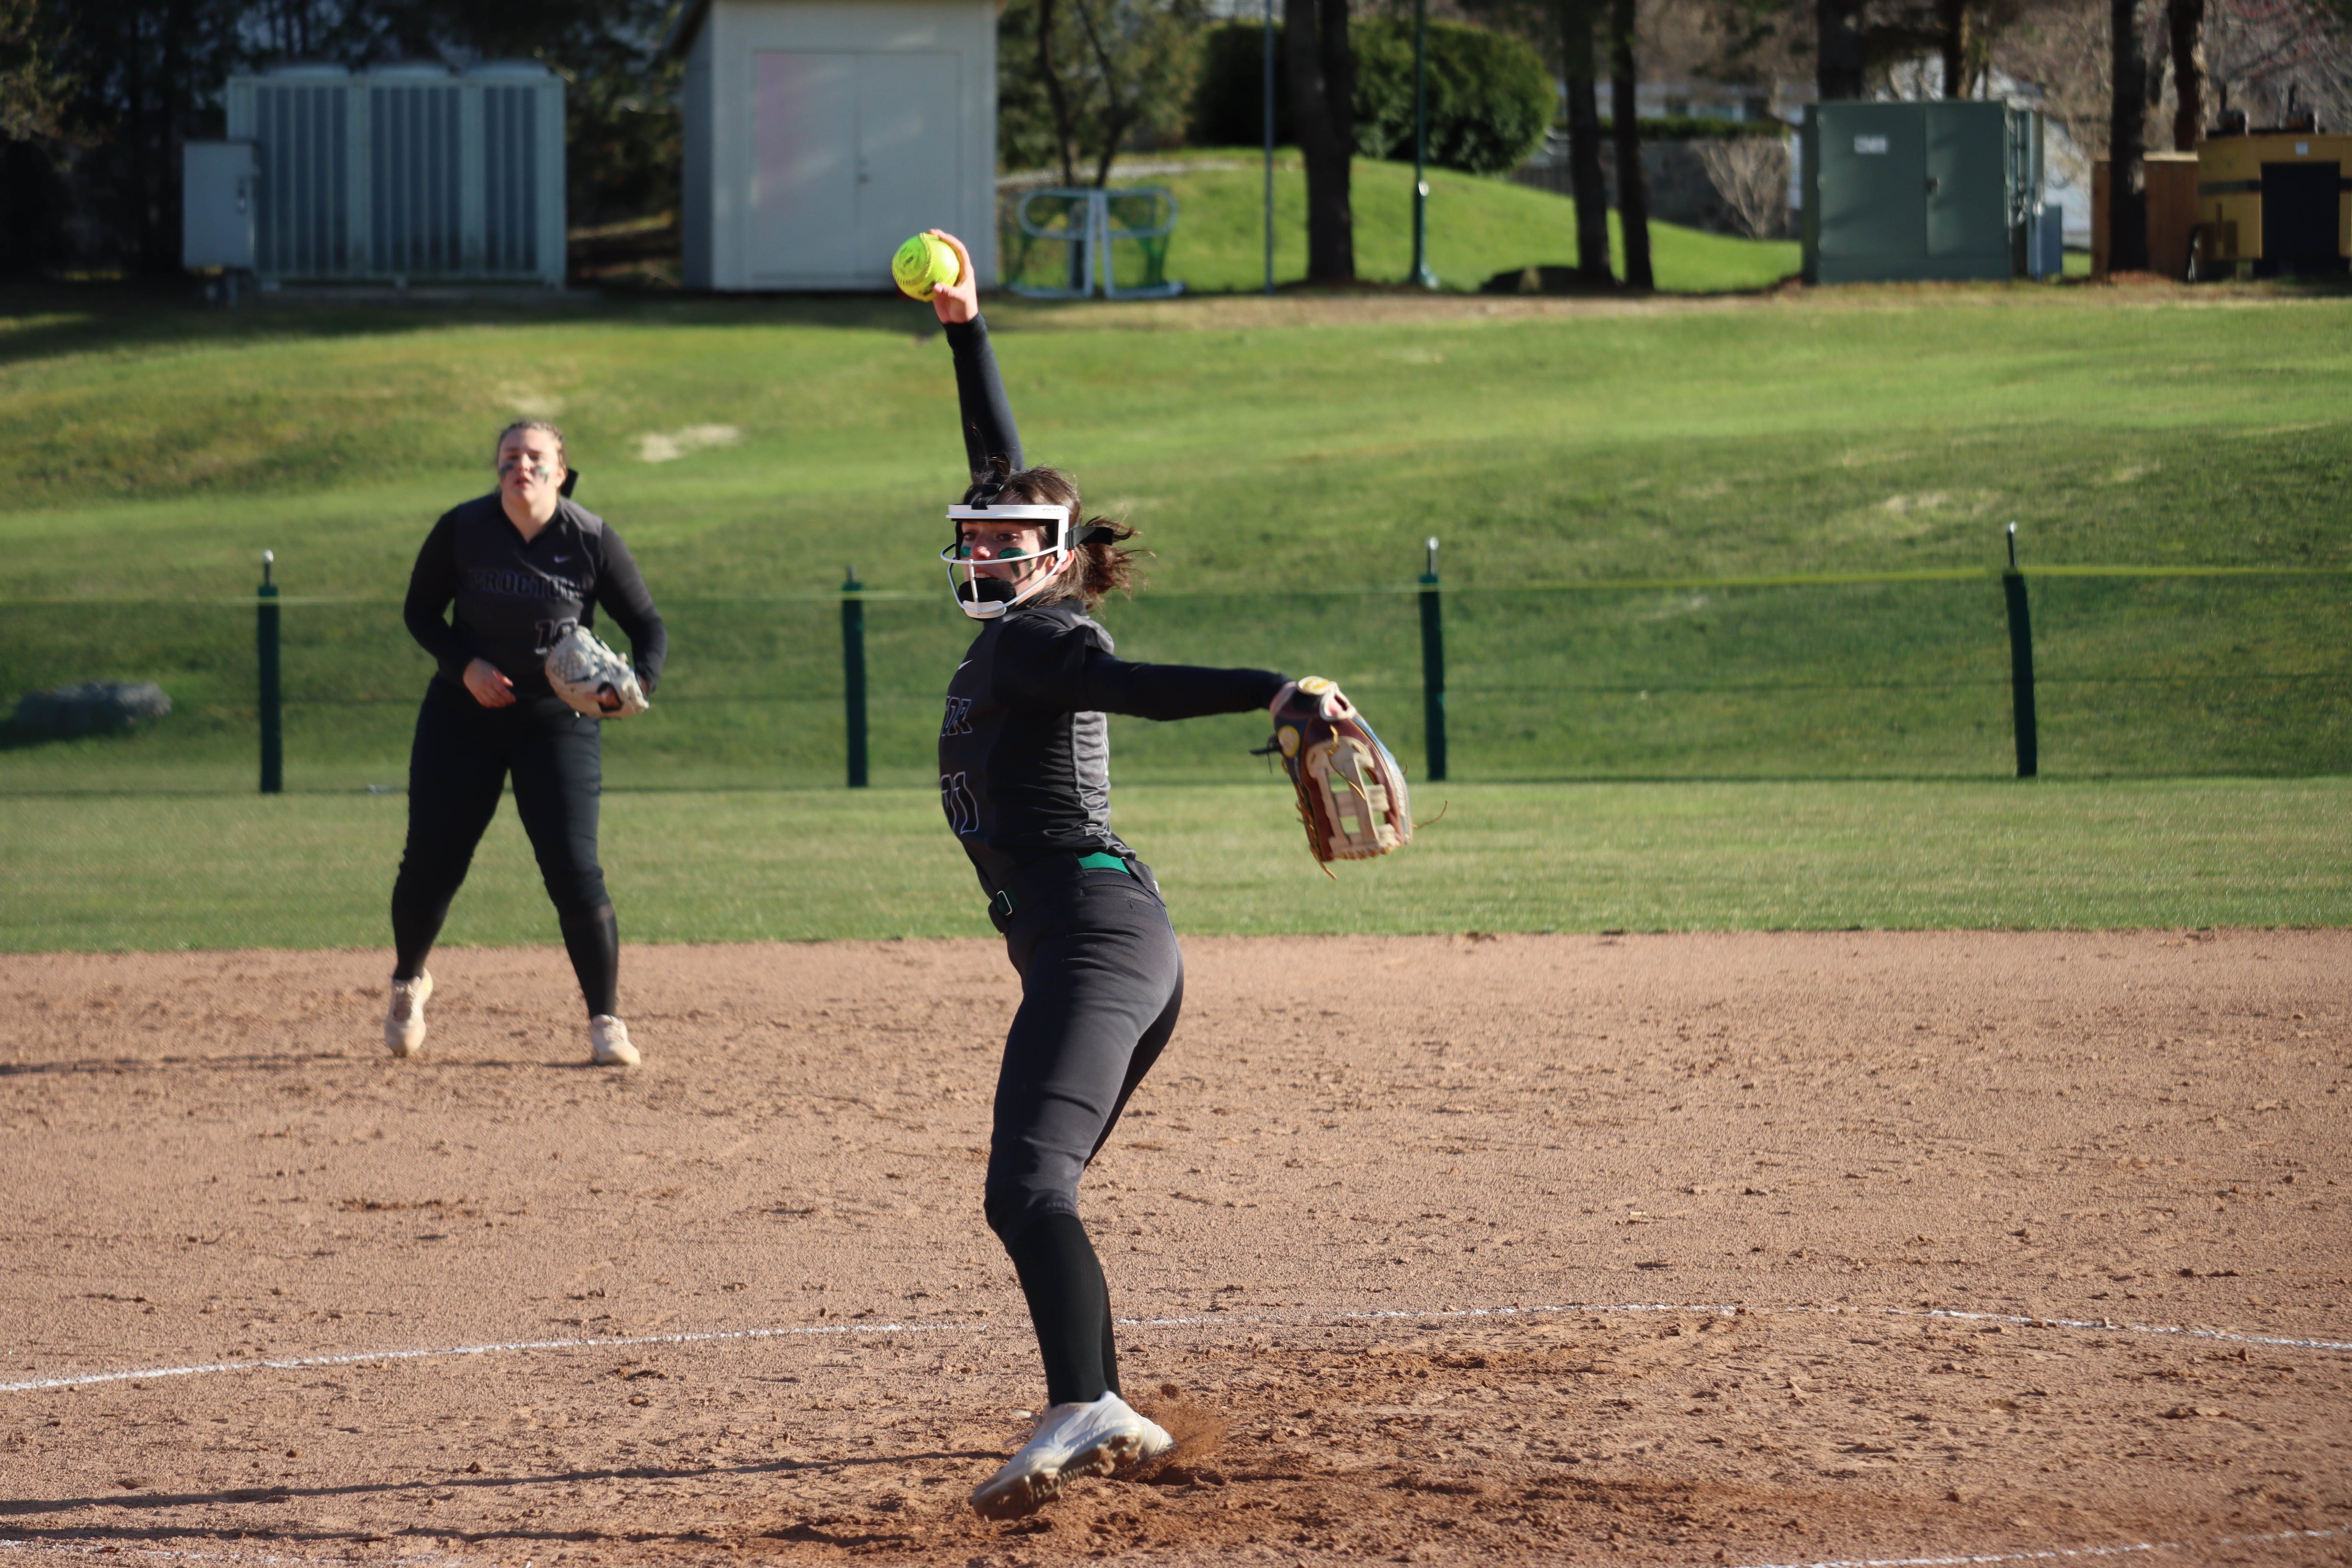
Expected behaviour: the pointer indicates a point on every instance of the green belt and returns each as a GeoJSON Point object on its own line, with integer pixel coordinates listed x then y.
{"type": "Point", "coordinates": [1001, 904]}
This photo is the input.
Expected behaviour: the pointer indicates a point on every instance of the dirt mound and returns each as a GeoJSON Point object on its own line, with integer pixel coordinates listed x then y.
{"type": "Point", "coordinates": [1666, 1250]}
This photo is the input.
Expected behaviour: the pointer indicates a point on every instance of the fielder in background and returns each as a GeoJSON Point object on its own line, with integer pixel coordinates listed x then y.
{"type": "Point", "coordinates": [523, 689]}
{"type": "Point", "coordinates": [1024, 780]}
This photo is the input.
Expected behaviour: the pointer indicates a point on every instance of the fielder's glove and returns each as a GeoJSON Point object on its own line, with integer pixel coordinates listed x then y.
{"type": "Point", "coordinates": [592, 678]}
{"type": "Point", "coordinates": [1351, 794]}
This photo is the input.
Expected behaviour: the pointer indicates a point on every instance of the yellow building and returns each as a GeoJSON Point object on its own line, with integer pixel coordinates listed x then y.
{"type": "Point", "coordinates": [2273, 203]}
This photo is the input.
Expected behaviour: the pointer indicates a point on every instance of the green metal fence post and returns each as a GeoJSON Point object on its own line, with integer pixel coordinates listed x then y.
{"type": "Point", "coordinates": [1433, 667]}
{"type": "Point", "coordinates": [2020, 665]}
{"type": "Point", "coordinates": [273, 737]}
{"type": "Point", "coordinates": [852, 674]}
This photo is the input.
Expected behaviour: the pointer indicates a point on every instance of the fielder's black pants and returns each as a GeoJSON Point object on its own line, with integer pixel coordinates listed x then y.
{"type": "Point", "coordinates": [1101, 983]}
{"type": "Point", "coordinates": [462, 756]}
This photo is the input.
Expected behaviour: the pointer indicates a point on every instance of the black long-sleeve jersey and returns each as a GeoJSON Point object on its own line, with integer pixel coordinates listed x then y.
{"type": "Point", "coordinates": [1024, 747]}
{"type": "Point", "coordinates": [514, 599]}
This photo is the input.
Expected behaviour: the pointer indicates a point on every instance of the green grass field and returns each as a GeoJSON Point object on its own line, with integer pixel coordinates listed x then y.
{"type": "Point", "coordinates": [1478, 227]}
{"type": "Point", "coordinates": [693, 865]}
{"type": "Point", "coordinates": [1581, 466]}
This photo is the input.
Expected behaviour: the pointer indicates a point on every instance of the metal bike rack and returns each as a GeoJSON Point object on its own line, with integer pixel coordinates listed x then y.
{"type": "Point", "coordinates": [1091, 241]}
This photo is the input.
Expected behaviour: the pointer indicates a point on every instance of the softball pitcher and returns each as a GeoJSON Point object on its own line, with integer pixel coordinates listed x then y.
{"type": "Point", "coordinates": [1025, 781]}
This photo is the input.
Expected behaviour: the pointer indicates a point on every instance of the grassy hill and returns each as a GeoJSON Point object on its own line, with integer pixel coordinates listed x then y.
{"type": "Point", "coordinates": [1478, 227]}
{"type": "Point", "coordinates": [1794, 750]}
{"type": "Point", "coordinates": [1286, 460]}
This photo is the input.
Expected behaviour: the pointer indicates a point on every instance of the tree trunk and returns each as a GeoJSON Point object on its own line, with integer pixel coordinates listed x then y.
{"type": "Point", "coordinates": [1120, 111]}
{"type": "Point", "coordinates": [162, 177]}
{"type": "Point", "coordinates": [1322, 107]}
{"type": "Point", "coordinates": [2186, 21]}
{"type": "Point", "coordinates": [2127, 121]}
{"type": "Point", "coordinates": [1585, 180]}
{"type": "Point", "coordinates": [1065, 133]}
{"type": "Point", "coordinates": [1837, 49]}
{"type": "Point", "coordinates": [1633, 189]}
{"type": "Point", "coordinates": [1952, 43]}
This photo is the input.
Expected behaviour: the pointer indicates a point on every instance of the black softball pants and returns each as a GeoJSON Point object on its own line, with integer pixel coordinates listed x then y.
{"type": "Point", "coordinates": [1101, 984]}
{"type": "Point", "coordinates": [462, 756]}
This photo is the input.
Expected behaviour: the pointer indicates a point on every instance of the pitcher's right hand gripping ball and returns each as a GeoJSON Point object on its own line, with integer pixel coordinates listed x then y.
{"type": "Point", "coordinates": [923, 264]}
{"type": "Point", "coordinates": [1352, 794]}
{"type": "Point", "coordinates": [592, 678]}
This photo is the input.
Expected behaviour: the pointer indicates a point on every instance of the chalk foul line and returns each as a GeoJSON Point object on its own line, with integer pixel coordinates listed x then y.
{"type": "Point", "coordinates": [2051, 1554]}
{"type": "Point", "coordinates": [1210, 1319]}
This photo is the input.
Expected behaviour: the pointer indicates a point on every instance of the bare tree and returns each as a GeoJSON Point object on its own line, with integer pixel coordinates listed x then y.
{"type": "Point", "coordinates": [1579, 68]}
{"type": "Point", "coordinates": [1625, 126]}
{"type": "Point", "coordinates": [2275, 59]}
{"type": "Point", "coordinates": [2185, 23]}
{"type": "Point", "coordinates": [1066, 132]}
{"type": "Point", "coordinates": [1323, 111]}
{"type": "Point", "coordinates": [1751, 174]}
{"type": "Point", "coordinates": [2127, 132]}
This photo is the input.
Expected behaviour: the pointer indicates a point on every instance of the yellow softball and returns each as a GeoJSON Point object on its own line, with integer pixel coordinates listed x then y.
{"type": "Point", "coordinates": [924, 263]}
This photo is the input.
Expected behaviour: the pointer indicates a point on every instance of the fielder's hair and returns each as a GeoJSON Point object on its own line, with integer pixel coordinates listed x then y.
{"type": "Point", "coordinates": [1098, 568]}
{"type": "Point", "coordinates": [547, 425]}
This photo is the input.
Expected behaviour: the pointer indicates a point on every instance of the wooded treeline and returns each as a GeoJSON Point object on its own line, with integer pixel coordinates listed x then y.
{"type": "Point", "coordinates": [96, 97]}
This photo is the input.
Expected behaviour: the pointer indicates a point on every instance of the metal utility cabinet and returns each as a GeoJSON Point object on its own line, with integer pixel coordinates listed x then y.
{"type": "Point", "coordinates": [2272, 202]}
{"type": "Point", "coordinates": [1948, 190]}
{"type": "Point", "coordinates": [407, 173]}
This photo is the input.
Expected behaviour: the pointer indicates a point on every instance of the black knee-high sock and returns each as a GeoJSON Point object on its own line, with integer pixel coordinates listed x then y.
{"type": "Point", "coordinates": [593, 940]}
{"type": "Point", "coordinates": [416, 921]}
{"type": "Point", "coordinates": [1070, 1305]}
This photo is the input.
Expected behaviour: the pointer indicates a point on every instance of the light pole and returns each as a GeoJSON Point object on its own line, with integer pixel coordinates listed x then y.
{"type": "Point", "coordinates": [1422, 275]}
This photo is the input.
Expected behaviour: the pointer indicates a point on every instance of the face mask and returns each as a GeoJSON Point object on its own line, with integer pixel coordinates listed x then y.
{"type": "Point", "coordinates": [982, 595]}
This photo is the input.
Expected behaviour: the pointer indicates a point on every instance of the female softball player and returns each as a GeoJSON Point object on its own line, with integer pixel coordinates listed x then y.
{"type": "Point", "coordinates": [524, 566]}
{"type": "Point", "coordinates": [1024, 780]}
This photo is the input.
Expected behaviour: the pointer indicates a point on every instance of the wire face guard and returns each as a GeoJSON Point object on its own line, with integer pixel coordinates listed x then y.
{"type": "Point", "coordinates": [983, 596]}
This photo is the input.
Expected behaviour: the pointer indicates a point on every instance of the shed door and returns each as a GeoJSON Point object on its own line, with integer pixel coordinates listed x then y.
{"type": "Point", "coordinates": [805, 169]}
{"type": "Point", "coordinates": [856, 152]}
{"type": "Point", "coordinates": [1873, 168]}
{"type": "Point", "coordinates": [909, 156]}
{"type": "Point", "coordinates": [1968, 206]}
{"type": "Point", "coordinates": [2299, 215]}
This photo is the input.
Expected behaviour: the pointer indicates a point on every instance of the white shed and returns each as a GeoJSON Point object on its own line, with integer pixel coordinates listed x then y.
{"type": "Point", "coordinates": [821, 133]}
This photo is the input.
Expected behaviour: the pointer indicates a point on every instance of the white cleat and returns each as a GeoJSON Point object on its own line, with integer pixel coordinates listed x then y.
{"type": "Point", "coordinates": [403, 1021]}
{"type": "Point", "coordinates": [608, 1043]}
{"type": "Point", "coordinates": [1071, 1440]}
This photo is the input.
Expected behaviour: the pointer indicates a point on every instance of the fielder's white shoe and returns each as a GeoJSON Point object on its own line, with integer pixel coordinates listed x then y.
{"type": "Point", "coordinates": [608, 1043]}
{"type": "Point", "coordinates": [403, 1021]}
{"type": "Point", "coordinates": [1071, 1440]}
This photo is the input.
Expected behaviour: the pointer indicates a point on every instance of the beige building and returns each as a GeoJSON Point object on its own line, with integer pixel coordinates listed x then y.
{"type": "Point", "coordinates": [821, 133]}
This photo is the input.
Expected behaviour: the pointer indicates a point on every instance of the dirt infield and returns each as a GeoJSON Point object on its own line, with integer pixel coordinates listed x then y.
{"type": "Point", "coordinates": [1794, 1153]}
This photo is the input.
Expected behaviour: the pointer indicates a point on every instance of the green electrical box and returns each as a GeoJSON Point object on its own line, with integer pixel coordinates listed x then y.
{"type": "Point", "coordinates": [1945, 190]}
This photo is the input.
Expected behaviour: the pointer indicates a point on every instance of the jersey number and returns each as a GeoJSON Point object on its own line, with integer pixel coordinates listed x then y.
{"type": "Point", "coordinates": [958, 718]}
{"type": "Point", "coordinates": [550, 633]}
{"type": "Point", "coordinates": [956, 799]}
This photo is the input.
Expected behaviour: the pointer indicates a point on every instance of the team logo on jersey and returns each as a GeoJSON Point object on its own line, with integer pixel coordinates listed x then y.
{"type": "Point", "coordinates": [955, 800]}
{"type": "Point", "coordinates": [959, 719]}
{"type": "Point", "coordinates": [507, 582]}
